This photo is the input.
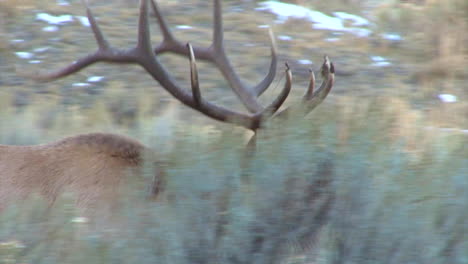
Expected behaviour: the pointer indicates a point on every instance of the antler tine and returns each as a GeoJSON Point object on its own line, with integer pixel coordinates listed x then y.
{"type": "Point", "coordinates": [266, 82]}
{"type": "Point", "coordinates": [144, 39]}
{"type": "Point", "coordinates": [100, 39]}
{"type": "Point", "coordinates": [194, 77]}
{"type": "Point", "coordinates": [216, 55]}
{"type": "Point", "coordinates": [247, 95]}
{"type": "Point", "coordinates": [310, 91]}
{"type": "Point", "coordinates": [328, 74]}
{"type": "Point", "coordinates": [252, 122]}
{"type": "Point", "coordinates": [276, 104]}
{"type": "Point", "coordinates": [312, 99]}
{"type": "Point", "coordinates": [218, 31]}
{"type": "Point", "coordinates": [167, 34]}
{"type": "Point", "coordinates": [171, 44]}
{"type": "Point", "coordinates": [67, 70]}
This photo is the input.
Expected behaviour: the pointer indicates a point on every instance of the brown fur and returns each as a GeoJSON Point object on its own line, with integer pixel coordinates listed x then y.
{"type": "Point", "coordinates": [92, 166]}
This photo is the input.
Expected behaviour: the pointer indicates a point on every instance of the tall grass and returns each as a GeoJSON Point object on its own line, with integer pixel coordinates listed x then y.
{"type": "Point", "coordinates": [434, 34]}
{"type": "Point", "coordinates": [357, 182]}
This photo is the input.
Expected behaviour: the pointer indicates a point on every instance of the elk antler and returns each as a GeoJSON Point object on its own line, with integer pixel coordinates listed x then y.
{"type": "Point", "coordinates": [144, 55]}
{"type": "Point", "coordinates": [215, 54]}
{"type": "Point", "coordinates": [311, 98]}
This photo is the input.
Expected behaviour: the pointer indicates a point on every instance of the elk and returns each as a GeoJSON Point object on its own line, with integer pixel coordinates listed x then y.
{"type": "Point", "coordinates": [93, 165]}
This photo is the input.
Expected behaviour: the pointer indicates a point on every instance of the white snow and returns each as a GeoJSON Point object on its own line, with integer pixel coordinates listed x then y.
{"type": "Point", "coordinates": [14, 41]}
{"type": "Point", "coordinates": [379, 61]}
{"type": "Point", "coordinates": [83, 20]}
{"type": "Point", "coordinates": [41, 49]}
{"type": "Point", "coordinates": [24, 55]}
{"type": "Point", "coordinates": [305, 62]}
{"type": "Point", "coordinates": [50, 29]}
{"type": "Point", "coordinates": [377, 58]}
{"type": "Point", "coordinates": [285, 37]}
{"type": "Point", "coordinates": [447, 129]}
{"type": "Point", "coordinates": [80, 84]}
{"type": "Point", "coordinates": [63, 3]}
{"type": "Point", "coordinates": [249, 45]}
{"type": "Point", "coordinates": [332, 39]}
{"type": "Point", "coordinates": [184, 27]}
{"type": "Point", "coordinates": [391, 36]}
{"type": "Point", "coordinates": [447, 98]}
{"type": "Point", "coordinates": [319, 20]}
{"type": "Point", "coordinates": [54, 20]}
{"type": "Point", "coordinates": [80, 220]}
{"type": "Point", "coordinates": [94, 79]}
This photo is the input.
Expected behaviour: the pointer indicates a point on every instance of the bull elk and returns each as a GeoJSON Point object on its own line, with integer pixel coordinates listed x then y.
{"type": "Point", "coordinates": [93, 165]}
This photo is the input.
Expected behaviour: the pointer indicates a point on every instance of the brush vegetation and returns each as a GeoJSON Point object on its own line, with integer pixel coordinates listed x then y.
{"type": "Point", "coordinates": [374, 188]}
{"type": "Point", "coordinates": [376, 174]}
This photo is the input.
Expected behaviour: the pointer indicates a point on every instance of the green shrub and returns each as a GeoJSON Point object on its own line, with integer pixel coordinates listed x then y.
{"type": "Point", "coordinates": [356, 182]}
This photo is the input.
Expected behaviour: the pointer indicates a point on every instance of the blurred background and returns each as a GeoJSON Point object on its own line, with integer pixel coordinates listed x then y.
{"type": "Point", "coordinates": [387, 148]}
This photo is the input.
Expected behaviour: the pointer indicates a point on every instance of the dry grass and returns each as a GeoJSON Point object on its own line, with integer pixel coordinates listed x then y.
{"type": "Point", "coordinates": [390, 175]}
{"type": "Point", "coordinates": [434, 31]}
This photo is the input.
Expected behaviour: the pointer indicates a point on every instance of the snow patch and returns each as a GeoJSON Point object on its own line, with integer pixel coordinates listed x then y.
{"type": "Point", "coordinates": [63, 3]}
{"type": "Point", "coordinates": [391, 37]}
{"type": "Point", "coordinates": [24, 55]}
{"type": "Point", "coordinates": [379, 61]}
{"type": "Point", "coordinates": [305, 62]}
{"type": "Point", "coordinates": [95, 79]}
{"type": "Point", "coordinates": [80, 84]}
{"type": "Point", "coordinates": [447, 98]}
{"type": "Point", "coordinates": [319, 20]}
{"type": "Point", "coordinates": [285, 38]}
{"type": "Point", "coordinates": [83, 20]}
{"type": "Point", "coordinates": [54, 20]}
{"type": "Point", "coordinates": [14, 41]}
{"type": "Point", "coordinates": [50, 29]}
{"type": "Point", "coordinates": [184, 27]}
{"type": "Point", "coordinates": [332, 39]}
{"type": "Point", "coordinates": [41, 49]}
{"type": "Point", "coordinates": [80, 220]}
